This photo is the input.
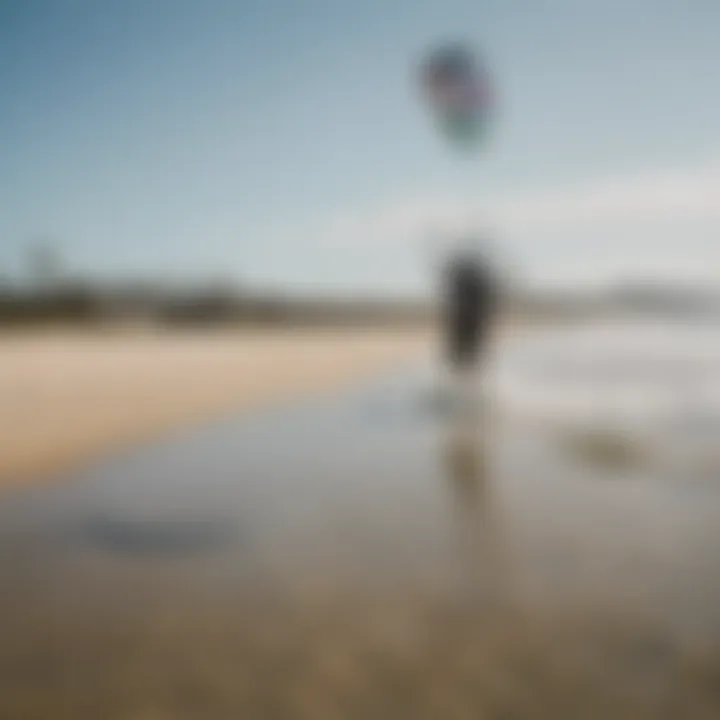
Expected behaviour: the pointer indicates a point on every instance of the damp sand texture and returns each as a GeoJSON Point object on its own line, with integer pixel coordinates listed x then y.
{"type": "Point", "coordinates": [70, 397]}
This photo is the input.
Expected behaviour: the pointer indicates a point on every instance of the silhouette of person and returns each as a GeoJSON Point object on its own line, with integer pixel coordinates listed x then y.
{"type": "Point", "coordinates": [469, 307]}
{"type": "Point", "coordinates": [470, 300]}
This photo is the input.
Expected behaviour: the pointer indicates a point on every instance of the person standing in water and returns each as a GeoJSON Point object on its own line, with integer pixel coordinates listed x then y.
{"type": "Point", "coordinates": [470, 304]}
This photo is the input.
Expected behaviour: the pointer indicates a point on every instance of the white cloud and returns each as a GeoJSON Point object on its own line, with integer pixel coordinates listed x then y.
{"type": "Point", "coordinates": [686, 195]}
{"type": "Point", "coordinates": [650, 198]}
{"type": "Point", "coordinates": [657, 222]}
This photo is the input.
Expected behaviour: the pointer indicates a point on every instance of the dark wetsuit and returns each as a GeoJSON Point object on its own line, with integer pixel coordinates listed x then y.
{"type": "Point", "coordinates": [469, 309]}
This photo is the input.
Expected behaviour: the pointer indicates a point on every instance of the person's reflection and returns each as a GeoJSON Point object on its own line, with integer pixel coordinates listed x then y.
{"type": "Point", "coordinates": [467, 466]}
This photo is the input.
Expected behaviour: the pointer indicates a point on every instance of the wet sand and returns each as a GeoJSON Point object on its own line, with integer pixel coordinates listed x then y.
{"type": "Point", "coordinates": [66, 398]}
{"type": "Point", "coordinates": [362, 555]}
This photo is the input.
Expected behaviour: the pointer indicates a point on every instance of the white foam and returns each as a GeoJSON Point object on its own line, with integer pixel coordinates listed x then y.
{"type": "Point", "coordinates": [631, 372]}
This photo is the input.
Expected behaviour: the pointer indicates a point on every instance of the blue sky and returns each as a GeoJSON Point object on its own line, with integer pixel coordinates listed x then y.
{"type": "Point", "coordinates": [282, 141]}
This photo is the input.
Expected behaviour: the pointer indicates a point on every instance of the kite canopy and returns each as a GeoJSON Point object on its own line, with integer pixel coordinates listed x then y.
{"type": "Point", "coordinates": [457, 89]}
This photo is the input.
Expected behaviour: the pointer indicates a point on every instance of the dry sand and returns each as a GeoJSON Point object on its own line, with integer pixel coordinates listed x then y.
{"type": "Point", "coordinates": [68, 397]}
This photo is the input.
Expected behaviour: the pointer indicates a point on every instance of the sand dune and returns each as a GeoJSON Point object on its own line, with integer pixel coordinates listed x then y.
{"type": "Point", "coordinates": [66, 398]}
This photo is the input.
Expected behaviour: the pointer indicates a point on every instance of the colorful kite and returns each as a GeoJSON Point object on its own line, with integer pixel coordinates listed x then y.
{"type": "Point", "coordinates": [457, 89]}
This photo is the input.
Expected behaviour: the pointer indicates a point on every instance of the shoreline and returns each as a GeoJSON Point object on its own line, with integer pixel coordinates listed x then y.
{"type": "Point", "coordinates": [70, 398]}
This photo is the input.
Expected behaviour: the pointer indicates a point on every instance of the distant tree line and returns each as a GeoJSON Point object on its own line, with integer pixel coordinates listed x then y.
{"type": "Point", "coordinates": [49, 294]}
{"type": "Point", "coordinates": [23, 307]}
{"type": "Point", "coordinates": [88, 303]}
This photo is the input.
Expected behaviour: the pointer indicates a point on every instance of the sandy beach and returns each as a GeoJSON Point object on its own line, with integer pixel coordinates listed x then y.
{"type": "Point", "coordinates": [69, 397]}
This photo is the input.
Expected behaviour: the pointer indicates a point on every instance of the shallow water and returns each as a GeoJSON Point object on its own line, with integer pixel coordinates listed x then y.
{"type": "Point", "coordinates": [366, 555]}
